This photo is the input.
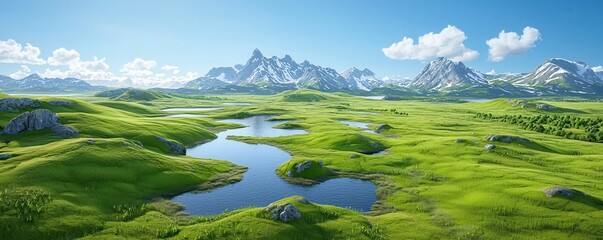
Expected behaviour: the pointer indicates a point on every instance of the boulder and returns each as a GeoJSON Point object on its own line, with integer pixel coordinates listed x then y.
{"type": "Point", "coordinates": [90, 141]}
{"type": "Point", "coordinates": [300, 167]}
{"type": "Point", "coordinates": [489, 146]}
{"type": "Point", "coordinates": [383, 127]}
{"type": "Point", "coordinates": [353, 155]}
{"type": "Point", "coordinates": [173, 146]}
{"type": "Point", "coordinates": [303, 200]}
{"type": "Point", "coordinates": [60, 103]}
{"type": "Point", "coordinates": [505, 139]}
{"type": "Point", "coordinates": [14, 104]}
{"type": "Point", "coordinates": [284, 212]}
{"type": "Point", "coordinates": [545, 107]}
{"type": "Point", "coordinates": [37, 120]}
{"type": "Point", "coordinates": [459, 140]}
{"type": "Point", "coordinates": [563, 191]}
{"type": "Point", "coordinates": [4, 156]}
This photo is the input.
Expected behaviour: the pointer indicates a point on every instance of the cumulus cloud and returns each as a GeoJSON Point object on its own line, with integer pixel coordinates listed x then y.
{"type": "Point", "coordinates": [175, 70]}
{"type": "Point", "coordinates": [448, 43]}
{"type": "Point", "coordinates": [13, 52]}
{"type": "Point", "coordinates": [598, 69]}
{"type": "Point", "coordinates": [63, 56]}
{"type": "Point", "coordinates": [96, 69]}
{"type": "Point", "coordinates": [138, 67]}
{"type": "Point", "coordinates": [24, 71]}
{"type": "Point", "coordinates": [510, 43]}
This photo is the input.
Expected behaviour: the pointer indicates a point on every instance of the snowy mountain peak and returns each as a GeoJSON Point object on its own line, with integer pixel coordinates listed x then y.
{"type": "Point", "coordinates": [257, 53]}
{"type": "Point", "coordinates": [362, 79]}
{"type": "Point", "coordinates": [561, 75]}
{"type": "Point", "coordinates": [441, 74]}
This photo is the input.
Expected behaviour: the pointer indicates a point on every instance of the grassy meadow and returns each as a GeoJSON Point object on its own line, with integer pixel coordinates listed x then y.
{"type": "Point", "coordinates": [436, 180]}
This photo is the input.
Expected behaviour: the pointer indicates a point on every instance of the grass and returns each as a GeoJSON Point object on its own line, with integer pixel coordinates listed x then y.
{"type": "Point", "coordinates": [430, 185]}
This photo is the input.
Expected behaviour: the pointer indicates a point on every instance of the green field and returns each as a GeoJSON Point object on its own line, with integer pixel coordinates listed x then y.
{"type": "Point", "coordinates": [437, 181]}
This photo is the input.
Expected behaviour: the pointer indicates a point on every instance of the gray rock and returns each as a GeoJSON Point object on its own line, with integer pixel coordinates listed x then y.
{"type": "Point", "coordinates": [289, 173]}
{"type": "Point", "coordinates": [14, 104]}
{"type": "Point", "coordinates": [459, 140]}
{"type": "Point", "coordinates": [559, 190]}
{"type": "Point", "coordinates": [545, 107]}
{"type": "Point", "coordinates": [60, 103]}
{"type": "Point", "coordinates": [303, 200]}
{"type": "Point", "coordinates": [284, 212]}
{"type": "Point", "coordinates": [175, 147]}
{"type": "Point", "coordinates": [489, 146]}
{"type": "Point", "coordinates": [353, 155]}
{"type": "Point", "coordinates": [37, 120]}
{"type": "Point", "coordinates": [4, 156]}
{"type": "Point", "coordinates": [505, 139]}
{"type": "Point", "coordinates": [383, 127]}
{"type": "Point", "coordinates": [300, 167]}
{"type": "Point", "coordinates": [90, 141]}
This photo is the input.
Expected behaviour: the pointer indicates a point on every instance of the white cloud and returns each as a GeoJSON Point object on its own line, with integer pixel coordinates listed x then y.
{"type": "Point", "coordinates": [598, 69]}
{"type": "Point", "coordinates": [63, 56]}
{"type": "Point", "coordinates": [13, 52]}
{"type": "Point", "coordinates": [24, 71]}
{"type": "Point", "coordinates": [491, 72]}
{"type": "Point", "coordinates": [95, 69]}
{"type": "Point", "coordinates": [448, 43]}
{"type": "Point", "coordinates": [510, 43]}
{"type": "Point", "coordinates": [138, 67]}
{"type": "Point", "coordinates": [175, 70]}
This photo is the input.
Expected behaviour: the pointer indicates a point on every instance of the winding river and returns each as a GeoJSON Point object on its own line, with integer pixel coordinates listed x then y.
{"type": "Point", "coordinates": [260, 185]}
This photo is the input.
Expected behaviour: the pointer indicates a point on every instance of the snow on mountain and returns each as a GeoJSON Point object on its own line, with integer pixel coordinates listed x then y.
{"type": "Point", "coordinates": [442, 74]}
{"type": "Point", "coordinates": [35, 82]}
{"type": "Point", "coordinates": [362, 79]}
{"type": "Point", "coordinates": [598, 71]}
{"type": "Point", "coordinates": [561, 75]}
{"type": "Point", "coordinates": [281, 73]}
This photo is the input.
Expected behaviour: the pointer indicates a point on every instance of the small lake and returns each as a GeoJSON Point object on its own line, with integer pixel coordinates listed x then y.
{"type": "Point", "coordinates": [374, 97]}
{"type": "Point", "coordinates": [363, 125]}
{"type": "Point", "coordinates": [260, 185]}
{"type": "Point", "coordinates": [190, 109]}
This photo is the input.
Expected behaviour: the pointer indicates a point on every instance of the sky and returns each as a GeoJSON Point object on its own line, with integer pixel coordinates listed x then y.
{"type": "Point", "coordinates": [175, 40]}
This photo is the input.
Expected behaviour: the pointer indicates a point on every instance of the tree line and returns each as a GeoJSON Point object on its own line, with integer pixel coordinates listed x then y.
{"type": "Point", "coordinates": [571, 127]}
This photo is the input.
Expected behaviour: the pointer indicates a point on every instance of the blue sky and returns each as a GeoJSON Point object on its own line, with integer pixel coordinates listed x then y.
{"type": "Point", "coordinates": [197, 35]}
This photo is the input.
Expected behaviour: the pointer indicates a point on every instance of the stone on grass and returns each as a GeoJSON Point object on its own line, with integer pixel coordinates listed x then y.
{"type": "Point", "coordinates": [563, 191]}
{"type": "Point", "coordinates": [173, 146]}
{"type": "Point", "coordinates": [14, 104]}
{"type": "Point", "coordinates": [284, 212]}
{"type": "Point", "coordinates": [37, 120]}
{"type": "Point", "coordinates": [60, 103]}
{"type": "Point", "coordinates": [303, 200]}
{"type": "Point", "coordinates": [489, 146]}
{"type": "Point", "coordinates": [300, 167]}
{"type": "Point", "coordinates": [505, 139]}
{"type": "Point", "coordinates": [90, 141]}
{"type": "Point", "coordinates": [353, 155]}
{"type": "Point", "coordinates": [460, 140]}
{"type": "Point", "coordinates": [4, 156]}
{"type": "Point", "coordinates": [545, 107]}
{"type": "Point", "coordinates": [383, 127]}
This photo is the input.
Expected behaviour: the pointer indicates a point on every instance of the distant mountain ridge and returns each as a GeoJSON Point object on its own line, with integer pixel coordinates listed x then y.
{"type": "Point", "coordinates": [36, 83]}
{"type": "Point", "coordinates": [265, 75]}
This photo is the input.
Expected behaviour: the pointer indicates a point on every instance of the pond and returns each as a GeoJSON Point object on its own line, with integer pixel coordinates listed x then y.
{"type": "Point", "coordinates": [260, 185]}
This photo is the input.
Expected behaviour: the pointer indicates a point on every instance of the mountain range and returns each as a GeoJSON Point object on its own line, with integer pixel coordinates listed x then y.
{"type": "Point", "coordinates": [441, 76]}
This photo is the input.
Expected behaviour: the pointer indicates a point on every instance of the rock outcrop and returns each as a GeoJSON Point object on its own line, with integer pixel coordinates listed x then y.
{"type": "Point", "coordinates": [4, 156]}
{"type": "Point", "coordinates": [505, 139]}
{"type": "Point", "coordinates": [563, 191]}
{"type": "Point", "coordinates": [60, 103]}
{"type": "Point", "coordinates": [173, 146]}
{"type": "Point", "coordinates": [37, 120]}
{"type": "Point", "coordinates": [14, 104]}
{"type": "Point", "coordinates": [284, 212]}
{"type": "Point", "coordinates": [489, 146]}
{"type": "Point", "coordinates": [545, 107]}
